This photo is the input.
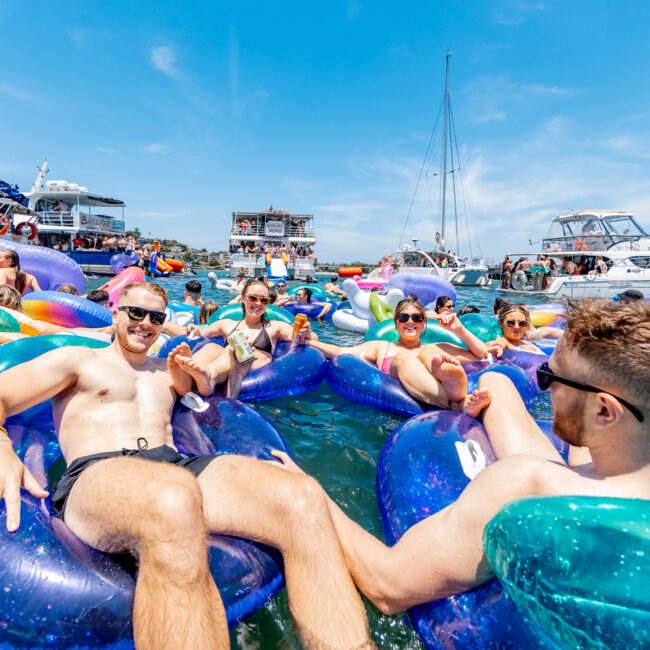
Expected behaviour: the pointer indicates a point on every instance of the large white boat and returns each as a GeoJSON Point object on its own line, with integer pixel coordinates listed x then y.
{"type": "Point", "coordinates": [272, 242]}
{"type": "Point", "coordinates": [67, 211]}
{"type": "Point", "coordinates": [596, 254]}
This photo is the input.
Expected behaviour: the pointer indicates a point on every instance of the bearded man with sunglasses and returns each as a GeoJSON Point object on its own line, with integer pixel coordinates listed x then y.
{"type": "Point", "coordinates": [127, 489]}
{"type": "Point", "coordinates": [599, 377]}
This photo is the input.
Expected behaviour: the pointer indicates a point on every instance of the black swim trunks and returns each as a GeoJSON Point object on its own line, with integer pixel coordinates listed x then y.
{"type": "Point", "coordinates": [163, 454]}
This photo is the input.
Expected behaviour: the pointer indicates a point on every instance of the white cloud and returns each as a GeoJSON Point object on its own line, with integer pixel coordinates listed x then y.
{"type": "Point", "coordinates": [514, 12]}
{"type": "Point", "coordinates": [163, 59]}
{"type": "Point", "coordinates": [157, 148]}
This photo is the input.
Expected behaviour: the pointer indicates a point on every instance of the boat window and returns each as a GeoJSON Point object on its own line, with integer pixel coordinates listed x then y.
{"type": "Point", "coordinates": [624, 226]}
{"type": "Point", "coordinates": [642, 261]}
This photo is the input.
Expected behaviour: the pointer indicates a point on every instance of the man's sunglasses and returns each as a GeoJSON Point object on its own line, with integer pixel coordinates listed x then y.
{"type": "Point", "coordinates": [404, 317]}
{"type": "Point", "coordinates": [139, 314]}
{"type": "Point", "coordinates": [517, 323]}
{"type": "Point", "coordinates": [263, 300]}
{"type": "Point", "coordinates": [545, 377]}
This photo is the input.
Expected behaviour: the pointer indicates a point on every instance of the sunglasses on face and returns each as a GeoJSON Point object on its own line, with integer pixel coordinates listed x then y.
{"type": "Point", "coordinates": [281, 286]}
{"type": "Point", "coordinates": [517, 323]}
{"type": "Point", "coordinates": [263, 300]}
{"type": "Point", "coordinates": [139, 314]}
{"type": "Point", "coordinates": [545, 377]}
{"type": "Point", "coordinates": [404, 318]}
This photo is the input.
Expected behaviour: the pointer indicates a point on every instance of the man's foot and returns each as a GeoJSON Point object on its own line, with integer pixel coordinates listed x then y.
{"type": "Point", "coordinates": [448, 371]}
{"type": "Point", "coordinates": [475, 402]}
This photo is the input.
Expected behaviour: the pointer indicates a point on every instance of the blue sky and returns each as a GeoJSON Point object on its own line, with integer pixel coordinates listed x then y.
{"type": "Point", "coordinates": [188, 111]}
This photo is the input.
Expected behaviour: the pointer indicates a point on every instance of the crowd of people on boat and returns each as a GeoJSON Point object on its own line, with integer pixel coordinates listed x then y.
{"type": "Point", "coordinates": [291, 252]}
{"type": "Point", "coordinates": [540, 273]}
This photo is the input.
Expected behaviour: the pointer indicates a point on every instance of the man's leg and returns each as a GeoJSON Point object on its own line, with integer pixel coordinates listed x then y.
{"type": "Point", "coordinates": [259, 500]}
{"type": "Point", "coordinates": [510, 427]}
{"type": "Point", "coordinates": [154, 510]}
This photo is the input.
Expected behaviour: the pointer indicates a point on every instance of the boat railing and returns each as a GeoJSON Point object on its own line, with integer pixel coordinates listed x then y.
{"type": "Point", "coordinates": [592, 242]}
{"type": "Point", "coordinates": [59, 219]}
{"type": "Point", "coordinates": [259, 231]}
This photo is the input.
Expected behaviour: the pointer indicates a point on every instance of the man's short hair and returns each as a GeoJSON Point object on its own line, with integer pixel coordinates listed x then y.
{"type": "Point", "coordinates": [68, 288]}
{"type": "Point", "coordinates": [98, 295]}
{"type": "Point", "coordinates": [614, 339]}
{"type": "Point", "coordinates": [334, 278]}
{"type": "Point", "coordinates": [193, 286]}
{"type": "Point", "coordinates": [147, 286]}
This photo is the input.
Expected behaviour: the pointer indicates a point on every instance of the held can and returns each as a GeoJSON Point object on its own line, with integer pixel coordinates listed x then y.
{"type": "Point", "coordinates": [243, 350]}
{"type": "Point", "coordinates": [298, 324]}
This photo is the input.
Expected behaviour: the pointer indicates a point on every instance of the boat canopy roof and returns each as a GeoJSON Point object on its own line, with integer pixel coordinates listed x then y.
{"type": "Point", "coordinates": [271, 214]}
{"type": "Point", "coordinates": [77, 197]}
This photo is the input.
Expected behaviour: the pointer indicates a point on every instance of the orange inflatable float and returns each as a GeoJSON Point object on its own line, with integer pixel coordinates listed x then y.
{"type": "Point", "coordinates": [176, 265]}
{"type": "Point", "coordinates": [349, 271]}
{"type": "Point", "coordinates": [163, 267]}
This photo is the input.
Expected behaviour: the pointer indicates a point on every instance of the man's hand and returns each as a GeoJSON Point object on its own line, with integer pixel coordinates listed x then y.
{"type": "Point", "coordinates": [13, 475]}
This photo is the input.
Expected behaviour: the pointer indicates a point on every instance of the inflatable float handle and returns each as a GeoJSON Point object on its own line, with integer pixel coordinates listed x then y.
{"type": "Point", "coordinates": [195, 402]}
{"type": "Point", "coordinates": [472, 458]}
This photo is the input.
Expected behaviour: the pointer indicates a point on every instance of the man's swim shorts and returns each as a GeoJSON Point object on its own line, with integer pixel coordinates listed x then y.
{"type": "Point", "coordinates": [163, 454]}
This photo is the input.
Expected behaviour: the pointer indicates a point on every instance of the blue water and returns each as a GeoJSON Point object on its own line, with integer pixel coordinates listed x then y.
{"type": "Point", "coordinates": [338, 443]}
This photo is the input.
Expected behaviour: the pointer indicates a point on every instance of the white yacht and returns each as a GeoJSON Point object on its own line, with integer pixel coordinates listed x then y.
{"type": "Point", "coordinates": [67, 211]}
{"type": "Point", "coordinates": [272, 242]}
{"type": "Point", "coordinates": [596, 254]}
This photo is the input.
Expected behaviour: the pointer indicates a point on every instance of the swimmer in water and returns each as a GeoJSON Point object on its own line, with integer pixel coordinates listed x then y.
{"type": "Point", "coordinates": [303, 297]}
{"type": "Point", "coordinates": [161, 505]}
{"type": "Point", "coordinates": [333, 287]}
{"type": "Point", "coordinates": [598, 376]}
{"type": "Point", "coordinates": [429, 373]}
{"type": "Point", "coordinates": [213, 365]}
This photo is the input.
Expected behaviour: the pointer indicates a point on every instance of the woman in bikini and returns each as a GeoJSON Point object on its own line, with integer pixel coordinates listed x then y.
{"type": "Point", "coordinates": [213, 365]}
{"type": "Point", "coordinates": [518, 332]}
{"type": "Point", "coordinates": [428, 372]}
{"type": "Point", "coordinates": [12, 275]}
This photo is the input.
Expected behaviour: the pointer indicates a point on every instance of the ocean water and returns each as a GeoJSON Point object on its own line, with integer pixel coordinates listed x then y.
{"type": "Point", "coordinates": [338, 443]}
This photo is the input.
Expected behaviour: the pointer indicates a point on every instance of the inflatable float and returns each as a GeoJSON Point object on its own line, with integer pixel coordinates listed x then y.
{"type": "Point", "coordinates": [51, 268]}
{"type": "Point", "coordinates": [423, 467]}
{"type": "Point", "coordinates": [224, 283]}
{"type": "Point", "coordinates": [182, 314]}
{"type": "Point", "coordinates": [312, 309]}
{"type": "Point", "coordinates": [78, 597]}
{"type": "Point", "coordinates": [377, 279]}
{"type": "Point", "coordinates": [235, 312]}
{"type": "Point", "coordinates": [115, 285]}
{"type": "Point", "coordinates": [349, 271]}
{"type": "Point", "coordinates": [121, 261]}
{"type": "Point", "coordinates": [427, 288]}
{"type": "Point", "coordinates": [359, 317]}
{"type": "Point", "coordinates": [65, 310]}
{"type": "Point", "coordinates": [576, 567]}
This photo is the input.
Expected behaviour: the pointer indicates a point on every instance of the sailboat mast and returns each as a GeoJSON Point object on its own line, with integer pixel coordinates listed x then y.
{"type": "Point", "coordinates": [445, 147]}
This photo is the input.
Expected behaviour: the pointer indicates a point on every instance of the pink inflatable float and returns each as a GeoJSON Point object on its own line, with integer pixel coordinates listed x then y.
{"type": "Point", "coordinates": [128, 276]}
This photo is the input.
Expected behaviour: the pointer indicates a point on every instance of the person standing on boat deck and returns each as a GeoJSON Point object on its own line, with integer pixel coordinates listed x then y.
{"type": "Point", "coordinates": [599, 378]}
{"type": "Point", "coordinates": [601, 266]}
{"type": "Point", "coordinates": [152, 501]}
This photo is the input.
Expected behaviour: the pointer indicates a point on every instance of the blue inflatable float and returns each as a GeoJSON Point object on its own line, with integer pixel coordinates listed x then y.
{"type": "Point", "coordinates": [423, 468]}
{"type": "Point", "coordinates": [59, 593]}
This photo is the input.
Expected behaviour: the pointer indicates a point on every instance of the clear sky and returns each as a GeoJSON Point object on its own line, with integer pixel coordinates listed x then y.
{"type": "Point", "coordinates": [190, 110]}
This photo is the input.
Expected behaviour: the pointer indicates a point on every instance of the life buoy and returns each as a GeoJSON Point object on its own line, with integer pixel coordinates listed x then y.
{"type": "Point", "coordinates": [4, 225]}
{"type": "Point", "coordinates": [27, 229]}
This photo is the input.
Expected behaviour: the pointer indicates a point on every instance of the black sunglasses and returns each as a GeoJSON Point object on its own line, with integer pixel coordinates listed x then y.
{"type": "Point", "coordinates": [404, 317]}
{"type": "Point", "coordinates": [545, 377]}
{"type": "Point", "coordinates": [139, 314]}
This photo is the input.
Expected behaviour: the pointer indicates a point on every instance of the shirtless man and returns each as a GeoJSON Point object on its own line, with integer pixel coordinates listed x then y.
{"type": "Point", "coordinates": [599, 377]}
{"type": "Point", "coordinates": [116, 398]}
{"type": "Point", "coordinates": [333, 287]}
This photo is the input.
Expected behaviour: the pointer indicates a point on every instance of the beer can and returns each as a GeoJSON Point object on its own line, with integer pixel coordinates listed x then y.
{"type": "Point", "coordinates": [298, 324]}
{"type": "Point", "coordinates": [243, 349]}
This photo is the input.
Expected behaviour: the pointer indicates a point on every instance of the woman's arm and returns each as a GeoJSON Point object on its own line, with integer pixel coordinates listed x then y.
{"type": "Point", "coordinates": [33, 283]}
{"type": "Point", "coordinates": [452, 323]}
{"type": "Point", "coordinates": [326, 308]}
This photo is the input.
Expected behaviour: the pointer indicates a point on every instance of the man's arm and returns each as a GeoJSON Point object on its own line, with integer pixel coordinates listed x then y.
{"type": "Point", "coordinates": [21, 387]}
{"type": "Point", "coordinates": [443, 554]}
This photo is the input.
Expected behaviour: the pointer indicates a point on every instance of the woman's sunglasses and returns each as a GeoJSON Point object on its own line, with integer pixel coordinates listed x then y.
{"type": "Point", "coordinates": [545, 377]}
{"type": "Point", "coordinates": [139, 314]}
{"type": "Point", "coordinates": [404, 318]}
{"type": "Point", "coordinates": [263, 300]}
{"type": "Point", "coordinates": [517, 323]}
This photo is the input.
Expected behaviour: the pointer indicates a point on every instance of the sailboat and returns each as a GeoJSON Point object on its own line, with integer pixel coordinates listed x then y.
{"type": "Point", "coordinates": [442, 260]}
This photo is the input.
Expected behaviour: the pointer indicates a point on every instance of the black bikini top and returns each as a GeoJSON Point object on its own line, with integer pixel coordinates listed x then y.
{"type": "Point", "coordinates": [262, 340]}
